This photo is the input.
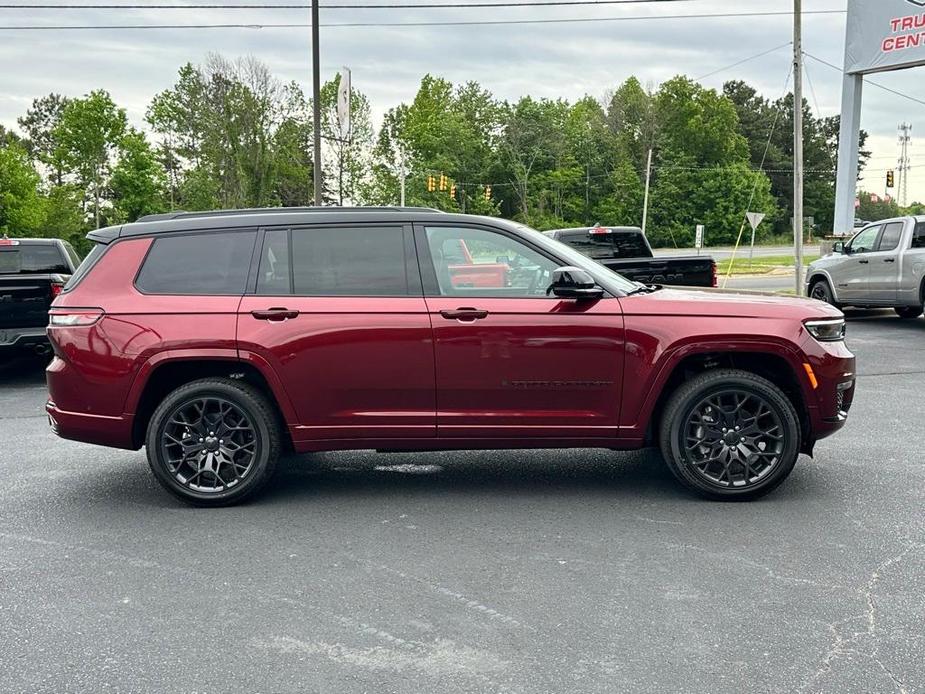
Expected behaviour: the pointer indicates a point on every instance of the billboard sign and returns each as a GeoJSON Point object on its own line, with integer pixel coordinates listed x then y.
{"type": "Point", "coordinates": [885, 35]}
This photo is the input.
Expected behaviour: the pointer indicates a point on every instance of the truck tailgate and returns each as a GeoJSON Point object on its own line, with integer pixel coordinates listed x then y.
{"type": "Point", "coordinates": [688, 271]}
{"type": "Point", "coordinates": [24, 301]}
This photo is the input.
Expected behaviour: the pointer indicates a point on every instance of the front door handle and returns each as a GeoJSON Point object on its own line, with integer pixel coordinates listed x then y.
{"type": "Point", "coordinates": [466, 315]}
{"type": "Point", "coordinates": [275, 314]}
{"type": "Point", "coordinates": [863, 262]}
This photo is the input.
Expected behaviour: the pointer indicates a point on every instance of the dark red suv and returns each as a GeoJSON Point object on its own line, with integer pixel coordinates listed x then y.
{"type": "Point", "coordinates": [221, 339]}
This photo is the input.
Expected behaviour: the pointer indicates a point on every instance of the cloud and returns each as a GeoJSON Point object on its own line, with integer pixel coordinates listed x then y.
{"type": "Point", "coordinates": [544, 60]}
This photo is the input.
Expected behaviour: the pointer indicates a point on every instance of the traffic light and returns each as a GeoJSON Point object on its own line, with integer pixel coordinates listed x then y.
{"type": "Point", "coordinates": [890, 179]}
{"type": "Point", "coordinates": [453, 191]}
{"type": "Point", "coordinates": [431, 184]}
{"type": "Point", "coordinates": [442, 182]}
{"type": "Point", "coordinates": [488, 192]}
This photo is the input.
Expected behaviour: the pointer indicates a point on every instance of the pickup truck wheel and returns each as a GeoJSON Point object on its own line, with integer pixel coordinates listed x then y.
{"type": "Point", "coordinates": [730, 435]}
{"type": "Point", "coordinates": [908, 311]}
{"type": "Point", "coordinates": [821, 291]}
{"type": "Point", "coordinates": [213, 442]}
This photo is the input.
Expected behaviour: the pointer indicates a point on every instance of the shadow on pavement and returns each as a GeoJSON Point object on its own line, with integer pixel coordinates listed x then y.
{"type": "Point", "coordinates": [22, 371]}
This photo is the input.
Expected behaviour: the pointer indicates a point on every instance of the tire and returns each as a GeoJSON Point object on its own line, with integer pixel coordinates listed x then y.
{"type": "Point", "coordinates": [206, 470]}
{"type": "Point", "coordinates": [821, 291]}
{"type": "Point", "coordinates": [908, 312]}
{"type": "Point", "coordinates": [725, 477]}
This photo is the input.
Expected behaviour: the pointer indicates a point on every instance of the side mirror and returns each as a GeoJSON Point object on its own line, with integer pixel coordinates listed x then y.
{"type": "Point", "coordinates": [839, 247]}
{"type": "Point", "coordinates": [573, 283]}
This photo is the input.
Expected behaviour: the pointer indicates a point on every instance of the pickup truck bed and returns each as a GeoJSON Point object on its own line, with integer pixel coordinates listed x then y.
{"type": "Point", "coordinates": [626, 250]}
{"type": "Point", "coordinates": [32, 273]}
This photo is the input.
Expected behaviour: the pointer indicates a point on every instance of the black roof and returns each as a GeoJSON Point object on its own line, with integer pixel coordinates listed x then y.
{"type": "Point", "coordinates": [276, 216]}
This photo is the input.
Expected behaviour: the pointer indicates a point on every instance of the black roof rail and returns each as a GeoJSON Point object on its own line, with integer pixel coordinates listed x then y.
{"type": "Point", "coordinates": [182, 214]}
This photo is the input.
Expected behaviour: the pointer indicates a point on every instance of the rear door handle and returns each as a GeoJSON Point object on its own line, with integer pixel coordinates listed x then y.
{"type": "Point", "coordinates": [467, 315]}
{"type": "Point", "coordinates": [275, 314]}
{"type": "Point", "coordinates": [889, 260]}
{"type": "Point", "coordinates": [863, 262]}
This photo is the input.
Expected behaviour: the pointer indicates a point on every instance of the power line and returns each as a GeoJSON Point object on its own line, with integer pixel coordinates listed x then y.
{"type": "Point", "coordinates": [343, 25]}
{"type": "Point", "coordinates": [276, 6]}
{"type": "Point", "coordinates": [871, 82]}
{"type": "Point", "coordinates": [740, 62]}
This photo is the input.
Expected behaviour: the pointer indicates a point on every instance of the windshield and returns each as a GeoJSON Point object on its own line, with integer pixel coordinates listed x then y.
{"type": "Point", "coordinates": [577, 259]}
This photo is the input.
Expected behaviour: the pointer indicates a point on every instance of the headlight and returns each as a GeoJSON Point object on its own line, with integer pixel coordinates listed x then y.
{"type": "Point", "coordinates": [828, 330]}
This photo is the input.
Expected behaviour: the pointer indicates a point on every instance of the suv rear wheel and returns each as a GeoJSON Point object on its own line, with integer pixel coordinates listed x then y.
{"type": "Point", "coordinates": [730, 435]}
{"type": "Point", "coordinates": [213, 442]}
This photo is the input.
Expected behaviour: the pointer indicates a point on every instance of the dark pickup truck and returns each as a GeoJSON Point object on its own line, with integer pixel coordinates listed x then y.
{"type": "Point", "coordinates": [626, 250]}
{"type": "Point", "coordinates": [32, 273]}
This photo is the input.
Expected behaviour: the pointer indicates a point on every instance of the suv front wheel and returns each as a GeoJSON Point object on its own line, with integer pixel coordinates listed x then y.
{"type": "Point", "coordinates": [213, 442]}
{"type": "Point", "coordinates": [730, 435]}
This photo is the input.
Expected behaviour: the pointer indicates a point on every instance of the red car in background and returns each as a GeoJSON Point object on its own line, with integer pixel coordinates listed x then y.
{"type": "Point", "coordinates": [220, 339]}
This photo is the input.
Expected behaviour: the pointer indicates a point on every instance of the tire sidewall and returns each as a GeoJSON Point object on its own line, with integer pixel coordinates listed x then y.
{"type": "Point", "coordinates": [159, 422]}
{"type": "Point", "coordinates": [783, 409]}
{"type": "Point", "coordinates": [827, 291]}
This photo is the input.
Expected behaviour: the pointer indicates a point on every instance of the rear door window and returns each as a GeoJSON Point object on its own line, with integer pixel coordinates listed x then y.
{"type": "Point", "coordinates": [918, 236]}
{"type": "Point", "coordinates": [352, 261]}
{"type": "Point", "coordinates": [201, 264]}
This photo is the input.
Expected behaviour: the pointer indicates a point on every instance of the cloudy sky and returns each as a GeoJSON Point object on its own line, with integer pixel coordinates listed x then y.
{"type": "Point", "coordinates": [550, 59]}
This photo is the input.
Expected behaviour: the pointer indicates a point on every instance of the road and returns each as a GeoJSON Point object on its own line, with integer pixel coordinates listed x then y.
{"type": "Point", "coordinates": [579, 571]}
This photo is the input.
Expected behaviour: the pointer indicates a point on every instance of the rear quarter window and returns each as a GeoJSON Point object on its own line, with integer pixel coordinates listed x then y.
{"type": "Point", "coordinates": [84, 268]}
{"type": "Point", "coordinates": [204, 264]}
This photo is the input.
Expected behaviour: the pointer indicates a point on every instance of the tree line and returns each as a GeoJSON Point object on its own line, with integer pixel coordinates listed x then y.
{"type": "Point", "coordinates": [229, 134]}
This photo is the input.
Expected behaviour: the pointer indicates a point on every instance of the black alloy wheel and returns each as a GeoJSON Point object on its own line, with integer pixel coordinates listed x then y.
{"type": "Point", "coordinates": [209, 444]}
{"type": "Point", "coordinates": [213, 442]}
{"type": "Point", "coordinates": [732, 438]}
{"type": "Point", "coordinates": [821, 292]}
{"type": "Point", "coordinates": [730, 434]}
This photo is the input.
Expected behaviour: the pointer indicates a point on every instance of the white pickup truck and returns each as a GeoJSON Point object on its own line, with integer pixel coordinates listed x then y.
{"type": "Point", "coordinates": [882, 266]}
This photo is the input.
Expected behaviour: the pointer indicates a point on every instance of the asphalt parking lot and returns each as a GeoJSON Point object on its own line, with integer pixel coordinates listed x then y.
{"type": "Point", "coordinates": [578, 571]}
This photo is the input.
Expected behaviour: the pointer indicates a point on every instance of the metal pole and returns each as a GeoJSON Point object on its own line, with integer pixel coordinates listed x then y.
{"type": "Point", "coordinates": [645, 203]}
{"type": "Point", "coordinates": [401, 154]}
{"type": "Point", "coordinates": [316, 102]}
{"type": "Point", "coordinates": [798, 144]}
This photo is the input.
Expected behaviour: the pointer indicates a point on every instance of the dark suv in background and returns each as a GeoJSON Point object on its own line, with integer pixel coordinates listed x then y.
{"type": "Point", "coordinates": [219, 339]}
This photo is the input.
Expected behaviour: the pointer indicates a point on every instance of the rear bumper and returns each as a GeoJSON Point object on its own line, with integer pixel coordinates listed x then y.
{"type": "Point", "coordinates": [115, 432]}
{"type": "Point", "coordinates": [24, 340]}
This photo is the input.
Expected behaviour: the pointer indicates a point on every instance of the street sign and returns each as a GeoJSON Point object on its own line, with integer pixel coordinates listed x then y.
{"type": "Point", "coordinates": [343, 103]}
{"type": "Point", "coordinates": [754, 219]}
{"type": "Point", "coordinates": [698, 239]}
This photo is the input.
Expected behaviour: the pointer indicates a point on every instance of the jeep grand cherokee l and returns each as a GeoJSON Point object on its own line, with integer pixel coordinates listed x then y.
{"type": "Point", "coordinates": [219, 339]}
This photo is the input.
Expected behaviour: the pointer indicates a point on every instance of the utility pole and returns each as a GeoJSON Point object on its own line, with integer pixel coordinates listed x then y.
{"type": "Point", "coordinates": [645, 202]}
{"type": "Point", "coordinates": [401, 168]}
{"type": "Point", "coordinates": [316, 102]}
{"type": "Point", "coordinates": [905, 139]}
{"type": "Point", "coordinates": [798, 144]}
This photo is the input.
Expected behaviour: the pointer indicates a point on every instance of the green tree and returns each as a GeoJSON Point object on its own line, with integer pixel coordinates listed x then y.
{"type": "Point", "coordinates": [21, 209]}
{"type": "Point", "coordinates": [87, 135]}
{"type": "Point", "coordinates": [873, 207]}
{"type": "Point", "coordinates": [39, 124]}
{"type": "Point", "coordinates": [138, 183]}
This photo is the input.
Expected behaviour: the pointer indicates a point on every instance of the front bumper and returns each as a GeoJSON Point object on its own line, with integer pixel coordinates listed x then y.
{"type": "Point", "coordinates": [834, 368]}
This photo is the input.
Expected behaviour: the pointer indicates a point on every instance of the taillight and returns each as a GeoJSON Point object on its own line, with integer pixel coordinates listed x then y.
{"type": "Point", "coordinates": [9, 242]}
{"type": "Point", "coordinates": [68, 318]}
{"type": "Point", "coordinates": [599, 231]}
{"type": "Point", "coordinates": [56, 289]}
{"type": "Point", "coordinates": [714, 281]}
